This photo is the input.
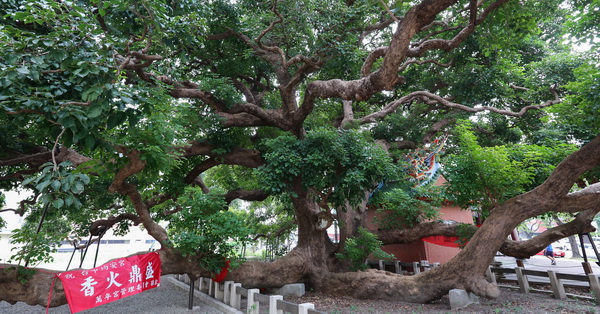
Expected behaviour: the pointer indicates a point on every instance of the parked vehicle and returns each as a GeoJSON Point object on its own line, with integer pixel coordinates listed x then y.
{"type": "Point", "coordinates": [559, 253]}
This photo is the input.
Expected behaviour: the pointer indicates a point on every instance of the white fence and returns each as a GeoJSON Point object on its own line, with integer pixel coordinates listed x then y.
{"type": "Point", "coordinates": [403, 268]}
{"type": "Point", "coordinates": [247, 300]}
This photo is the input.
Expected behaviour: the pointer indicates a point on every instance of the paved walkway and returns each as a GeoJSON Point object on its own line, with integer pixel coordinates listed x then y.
{"type": "Point", "coordinates": [169, 298]}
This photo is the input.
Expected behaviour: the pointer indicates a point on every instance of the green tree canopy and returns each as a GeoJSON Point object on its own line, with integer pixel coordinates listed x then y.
{"type": "Point", "coordinates": [177, 112]}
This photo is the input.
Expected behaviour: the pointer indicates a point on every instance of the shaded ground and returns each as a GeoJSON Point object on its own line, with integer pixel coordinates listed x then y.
{"type": "Point", "coordinates": [510, 301]}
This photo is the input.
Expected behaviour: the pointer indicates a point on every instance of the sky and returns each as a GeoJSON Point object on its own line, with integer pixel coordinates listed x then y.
{"type": "Point", "coordinates": [12, 201]}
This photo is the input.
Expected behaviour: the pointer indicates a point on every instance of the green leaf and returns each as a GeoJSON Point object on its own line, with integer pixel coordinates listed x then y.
{"type": "Point", "coordinates": [55, 185]}
{"type": "Point", "coordinates": [77, 187]}
{"type": "Point", "coordinates": [116, 119]}
{"type": "Point", "coordinates": [69, 200]}
{"type": "Point", "coordinates": [90, 141]}
{"type": "Point", "coordinates": [47, 198]}
{"type": "Point", "coordinates": [95, 111]}
{"type": "Point", "coordinates": [84, 178]}
{"type": "Point", "coordinates": [23, 70]}
{"type": "Point", "coordinates": [28, 180]}
{"type": "Point", "coordinates": [58, 203]}
{"type": "Point", "coordinates": [42, 186]}
{"type": "Point", "coordinates": [65, 185]}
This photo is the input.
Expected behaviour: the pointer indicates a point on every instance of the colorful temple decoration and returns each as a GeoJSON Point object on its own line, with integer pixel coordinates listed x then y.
{"type": "Point", "coordinates": [424, 166]}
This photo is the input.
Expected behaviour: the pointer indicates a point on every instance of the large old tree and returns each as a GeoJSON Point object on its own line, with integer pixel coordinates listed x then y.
{"type": "Point", "coordinates": [117, 113]}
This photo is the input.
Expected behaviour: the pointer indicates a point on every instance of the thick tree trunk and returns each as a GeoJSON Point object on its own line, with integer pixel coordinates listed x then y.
{"type": "Point", "coordinates": [574, 247]}
{"type": "Point", "coordinates": [311, 256]}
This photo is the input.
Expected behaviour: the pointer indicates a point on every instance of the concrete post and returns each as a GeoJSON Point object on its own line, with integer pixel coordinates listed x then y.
{"type": "Point", "coordinates": [416, 268]}
{"type": "Point", "coordinates": [200, 284]}
{"type": "Point", "coordinates": [227, 292]}
{"type": "Point", "coordinates": [398, 267]}
{"type": "Point", "coordinates": [253, 305]}
{"type": "Point", "coordinates": [304, 307]}
{"type": "Point", "coordinates": [218, 292]}
{"type": "Point", "coordinates": [595, 286]}
{"type": "Point", "coordinates": [211, 290]}
{"type": "Point", "coordinates": [273, 304]}
{"type": "Point", "coordinates": [236, 298]}
{"type": "Point", "coordinates": [425, 264]}
{"type": "Point", "coordinates": [381, 264]}
{"type": "Point", "coordinates": [523, 282]}
{"type": "Point", "coordinates": [207, 285]}
{"type": "Point", "coordinates": [557, 286]}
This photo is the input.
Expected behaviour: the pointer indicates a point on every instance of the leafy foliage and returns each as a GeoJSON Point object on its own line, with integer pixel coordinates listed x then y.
{"type": "Point", "coordinates": [483, 177]}
{"type": "Point", "coordinates": [338, 165]}
{"type": "Point", "coordinates": [33, 247]}
{"type": "Point", "coordinates": [579, 111]}
{"type": "Point", "coordinates": [464, 233]}
{"type": "Point", "coordinates": [400, 208]}
{"type": "Point", "coordinates": [58, 185]}
{"type": "Point", "coordinates": [360, 247]}
{"type": "Point", "coordinates": [203, 227]}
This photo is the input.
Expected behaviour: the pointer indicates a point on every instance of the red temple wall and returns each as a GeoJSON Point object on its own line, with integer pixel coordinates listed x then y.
{"type": "Point", "coordinates": [417, 251]}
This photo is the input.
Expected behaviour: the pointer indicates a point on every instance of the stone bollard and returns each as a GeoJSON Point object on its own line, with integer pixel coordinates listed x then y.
{"type": "Point", "coordinates": [490, 275]}
{"type": "Point", "coordinates": [292, 289]}
{"type": "Point", "coordinates": [460, 298]}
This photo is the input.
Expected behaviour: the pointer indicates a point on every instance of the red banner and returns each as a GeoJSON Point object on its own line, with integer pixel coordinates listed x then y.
{"type": "Point", "coordinates": [450, 241]}
{"type": "Point", "coordinates": [112, 281]}
{"type": "Point", "coordinates": [442, 240]}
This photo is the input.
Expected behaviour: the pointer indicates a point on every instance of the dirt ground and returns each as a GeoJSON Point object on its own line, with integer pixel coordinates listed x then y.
{"type": "Point", "coordinates": [510, 301]}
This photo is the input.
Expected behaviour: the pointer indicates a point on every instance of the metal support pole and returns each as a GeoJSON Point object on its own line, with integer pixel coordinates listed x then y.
{"type": "Point", "coordinates": [594, 248]}
{"type": "Point", "coordinates": [72, 254]}
{"type": "Point", "coordinates": [87, 246]}
{"type": "Point", "coordinates": [582, 247]}
{"type": "Point", "coordinates": [520, 263]}
{"type": "Point", "coordinates": [587, 268]}
{"type": "Point", "coordinates": [98, 246]}
{"type": "Point", "coordinates": [42, 219]}
{"type": "Point", "coordinates": [191, 300]}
